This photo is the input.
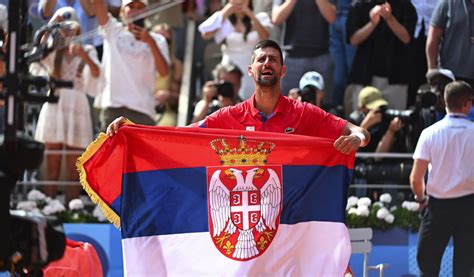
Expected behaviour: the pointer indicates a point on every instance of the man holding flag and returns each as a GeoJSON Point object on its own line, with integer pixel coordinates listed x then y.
{"type": "Point", "coordinates": [269, 111]}
{"type": "Point", "coordinates": [202, 201]}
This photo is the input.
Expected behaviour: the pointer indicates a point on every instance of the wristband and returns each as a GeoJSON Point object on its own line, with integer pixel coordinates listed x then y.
{"type": "Point", "coordinates": [361, 136]}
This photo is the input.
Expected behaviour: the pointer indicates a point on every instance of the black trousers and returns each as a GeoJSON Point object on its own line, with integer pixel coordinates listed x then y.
{"type": "Point", "coordinates": [443, 219]}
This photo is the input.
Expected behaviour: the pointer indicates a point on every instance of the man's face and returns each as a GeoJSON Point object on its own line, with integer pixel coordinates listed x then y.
{"type": "Point", "coordinates": [266, 68]}
{"type": "Point", "coordinates": [132, 9]}
{"type": "Point", "coordinates": [232, 78]}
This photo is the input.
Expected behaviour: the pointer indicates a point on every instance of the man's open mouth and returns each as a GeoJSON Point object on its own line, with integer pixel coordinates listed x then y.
{"type": "Point", "coordinates": [267, 72]}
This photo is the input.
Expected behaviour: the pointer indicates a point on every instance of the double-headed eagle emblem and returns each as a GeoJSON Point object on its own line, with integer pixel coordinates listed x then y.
{"type": "Point", "coordinates": [245, 197]}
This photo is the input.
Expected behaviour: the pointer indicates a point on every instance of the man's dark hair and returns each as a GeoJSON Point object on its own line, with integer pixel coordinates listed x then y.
{"type": "Point", "coordinates": [456, 94]}
{"type": "Point", "coordinates": [226, 68]}
{"type": "Point", "coordinates": [267, 43]}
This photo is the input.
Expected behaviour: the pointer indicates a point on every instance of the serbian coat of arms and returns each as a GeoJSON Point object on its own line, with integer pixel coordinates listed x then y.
{"type": "Point", "coordinates": [244, 198]}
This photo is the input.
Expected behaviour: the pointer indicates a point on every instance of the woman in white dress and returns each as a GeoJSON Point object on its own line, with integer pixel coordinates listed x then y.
{"type": "Point", "coordinates": [67, 124]}
{"type": "Point", "coordinates": [238, 29]}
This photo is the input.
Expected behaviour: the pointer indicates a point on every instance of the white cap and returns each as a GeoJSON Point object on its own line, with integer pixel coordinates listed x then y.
{"type": "Point", "coordinates": [440, 71]}
{"type": "Point", "coordinates": [312, 78]}
{"type": "Point", "coordinates": [126, 2]}
{"type": "Point", "coordinates": [67, 13]}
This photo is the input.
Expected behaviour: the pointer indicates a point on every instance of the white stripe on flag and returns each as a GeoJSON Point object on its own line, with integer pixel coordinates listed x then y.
{"type": "Point", "coordinates": [310, 248]}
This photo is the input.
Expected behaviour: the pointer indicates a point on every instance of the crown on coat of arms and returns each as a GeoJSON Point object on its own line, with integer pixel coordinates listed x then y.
{"type": "Point", "coordinates": [243, 152]}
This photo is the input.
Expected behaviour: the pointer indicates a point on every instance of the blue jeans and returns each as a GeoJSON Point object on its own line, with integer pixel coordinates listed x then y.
{"type": "Point", "coordinates": [342, 54]}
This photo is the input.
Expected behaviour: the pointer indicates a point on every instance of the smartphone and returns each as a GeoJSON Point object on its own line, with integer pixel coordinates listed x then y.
{"type": "Point", "coordinates": [139, 22]}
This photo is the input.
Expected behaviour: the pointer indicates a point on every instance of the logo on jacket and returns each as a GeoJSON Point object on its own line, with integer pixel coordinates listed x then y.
{"type": "Point", "coordinates": [244, 198]}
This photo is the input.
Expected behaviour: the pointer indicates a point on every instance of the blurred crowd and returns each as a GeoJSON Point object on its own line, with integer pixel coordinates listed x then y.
{"type": "Point", "coordinates": [382, 65]}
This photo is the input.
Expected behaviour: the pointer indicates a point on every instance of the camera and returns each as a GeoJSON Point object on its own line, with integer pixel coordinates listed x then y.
{"type": "Point", "coordinates": [406, 116]}
{"type": "Point", "coordinates": [225, 89]}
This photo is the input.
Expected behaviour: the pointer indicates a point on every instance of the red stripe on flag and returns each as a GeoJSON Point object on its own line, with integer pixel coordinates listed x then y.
{"type": "Point", "coordinates": [154, 148]}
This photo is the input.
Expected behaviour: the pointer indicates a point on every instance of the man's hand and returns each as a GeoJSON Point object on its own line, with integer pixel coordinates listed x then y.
{"type": "Point", "coordinates": [395, 125]}
{"type": "Point", "coordinates": [113, 127]}
{"type": "Point", "coordinates": [373, 117]}
{"type": "Point", "coordinates": [140, 33]}
{"type": "Point", "coordinates": [347, 144]}
{"type": "Point", "coordinates": [209, 91]}
{"type": "Point", "coordinates": [77, 50]}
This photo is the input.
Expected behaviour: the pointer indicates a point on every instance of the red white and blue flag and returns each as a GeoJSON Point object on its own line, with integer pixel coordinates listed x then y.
{"type": "Point", "coordinates": [192, 201]}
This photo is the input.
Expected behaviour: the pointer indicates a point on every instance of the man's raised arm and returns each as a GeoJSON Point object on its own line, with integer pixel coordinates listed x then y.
{"type": "Point", "coordinates": [100, 11]}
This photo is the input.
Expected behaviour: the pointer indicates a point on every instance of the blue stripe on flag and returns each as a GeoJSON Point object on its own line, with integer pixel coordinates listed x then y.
{"type": "Point", "coordinates": [174, 201]}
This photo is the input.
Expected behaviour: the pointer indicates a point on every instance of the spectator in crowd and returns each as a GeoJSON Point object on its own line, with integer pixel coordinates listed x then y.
{"type": "Point", "coordinates": [448, 196]}
{"type": "Point", "coordinates": [381, 32]}
{"type": "Point", "coordinates": [232, 74]}
{"type": "Point", "coordinates": [224, 97]}
{"type": "Point", "coordinates": [222, 73]}
{"type": "Point", "coordinates": [209, 94]}
{"type": "Point", "coordinates": [85, 14]}
{"type": "Point", "coordinates": [306, 40]}
{"type": "Point", "coordinates": [268, 110]}
{"type": "Point", "coordinates": [238, 29]}
{"type": "Point", "coordinates": [370, 116]}
{"type": "Point", "coordinates": [67, 124]}
{"type": "Point", "coordinates": [312, 88]}
{"type": "Point", "coordinates": [418, 66]}
{"type": "Point", "coordinates": [167, 87]}
{"type": "Point", "coordinates": [437, 80]}
{"type": "Point", "coordinates": [295, 94]}
{"type": "Point", "coordinates": [451, 39]}
{"type": "Point", "coordinates": [342, 52]}
{"type": "Point", "coordinates": [132, 58]}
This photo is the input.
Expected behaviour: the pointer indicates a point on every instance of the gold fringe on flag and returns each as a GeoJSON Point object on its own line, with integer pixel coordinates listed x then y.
{"type": "Point", "coordinates": [111, 216]}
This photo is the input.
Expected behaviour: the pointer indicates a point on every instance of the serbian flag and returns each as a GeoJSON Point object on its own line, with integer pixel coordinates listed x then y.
{"type": "Point", "coordinates": [192, 201]}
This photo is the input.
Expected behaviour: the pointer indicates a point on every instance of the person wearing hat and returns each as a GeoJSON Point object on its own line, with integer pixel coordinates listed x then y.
{"type": "Point", "coordinates": [370, 116]}
{"type": "Point", "coordinates": [312, 88]}
{"type": "Point", "coordinates": [131, 60]}
{"type": "Point", "coordinates": [67, 124]}
{"type": "Point", "coordinates": [84, 13]}
{"type": "Point", "coordinates": [437, 79]}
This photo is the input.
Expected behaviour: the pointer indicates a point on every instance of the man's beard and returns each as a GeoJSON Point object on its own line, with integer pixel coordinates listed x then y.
{"type": "Point", "coordinates": [267, 82]}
